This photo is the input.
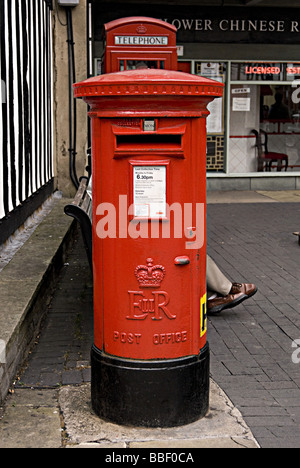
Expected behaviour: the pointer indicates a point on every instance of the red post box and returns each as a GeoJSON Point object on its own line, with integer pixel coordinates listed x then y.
{"type": "Point", "coordinates": [132, 42]}
{"type": "Point", "coordinates": [150, 360]}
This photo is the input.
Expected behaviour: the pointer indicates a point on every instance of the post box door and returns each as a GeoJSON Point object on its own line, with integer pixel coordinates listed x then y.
{"type": "Point", "coordinates": [149, 267]}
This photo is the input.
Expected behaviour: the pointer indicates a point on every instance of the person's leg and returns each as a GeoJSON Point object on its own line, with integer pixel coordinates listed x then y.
{"type": "Point", "coordinates": [222, 294]}
{"type": "Point", "coordinates": [216, 280]}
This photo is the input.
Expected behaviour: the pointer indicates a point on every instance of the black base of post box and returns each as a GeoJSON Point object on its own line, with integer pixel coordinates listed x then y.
{"type": "Point", "coordinates": [150, 393]}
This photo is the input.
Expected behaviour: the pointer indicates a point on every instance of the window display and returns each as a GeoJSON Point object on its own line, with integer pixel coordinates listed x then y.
{"type": "Point", "coordinates": [264, 117]}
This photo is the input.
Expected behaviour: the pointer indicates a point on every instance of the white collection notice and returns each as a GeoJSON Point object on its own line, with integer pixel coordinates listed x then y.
{"type": "Point", "coordinates": [150, 191]}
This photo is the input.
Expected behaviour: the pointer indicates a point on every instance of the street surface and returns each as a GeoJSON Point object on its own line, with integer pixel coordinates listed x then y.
{"type": "Point", "coordinates": [255, 348]}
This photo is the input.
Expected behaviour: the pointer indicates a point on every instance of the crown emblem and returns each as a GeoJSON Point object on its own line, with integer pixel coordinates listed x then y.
{"type": "Point", "coordinates": [150, 276]}
{"type": "Point", "coordinates": [141, 29]}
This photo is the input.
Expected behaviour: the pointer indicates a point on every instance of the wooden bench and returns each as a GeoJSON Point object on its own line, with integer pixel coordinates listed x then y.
{"type": "Point", "coordinates": [81, 210]}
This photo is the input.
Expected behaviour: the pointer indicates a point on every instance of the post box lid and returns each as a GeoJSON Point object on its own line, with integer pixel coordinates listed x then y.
{"type": "Point", "coordinates": [148, 82]}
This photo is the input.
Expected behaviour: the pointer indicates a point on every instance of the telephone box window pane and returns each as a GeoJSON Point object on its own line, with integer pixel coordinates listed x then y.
{"type": "Point", "coordinates": [142, 64]}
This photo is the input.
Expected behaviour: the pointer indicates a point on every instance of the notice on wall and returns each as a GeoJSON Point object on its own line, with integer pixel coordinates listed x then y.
{"type": "Point", "coordinates": [215, 121]}
{"type": "Point", "coordinates": [150, 191]}
{"type": "Point", "coordinates": [241, 104]}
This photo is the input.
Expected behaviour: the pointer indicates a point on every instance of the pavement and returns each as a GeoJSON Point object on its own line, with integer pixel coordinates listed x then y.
{"type": "Point", "coordinates": [255, 356]}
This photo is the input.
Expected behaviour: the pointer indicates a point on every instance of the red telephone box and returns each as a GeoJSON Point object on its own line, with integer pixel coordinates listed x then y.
{"type": "Point", "coordinates": [150, 360]}
{"type": "Point", "coordinates": [137, 42]}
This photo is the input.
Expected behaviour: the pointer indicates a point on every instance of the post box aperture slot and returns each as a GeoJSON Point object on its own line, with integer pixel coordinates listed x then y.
{"type": "Point", "coordinates": [148, 136]}
{"type": "Point", "coordinates": [148, 141]}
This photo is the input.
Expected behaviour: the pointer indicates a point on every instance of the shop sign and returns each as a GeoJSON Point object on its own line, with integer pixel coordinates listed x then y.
{"type": "Point", "coordinates": [211, 25]}
{"type": "Point", "coordinates": [264, 71]}
{"type": "Point", "coordinates": [232, 29]}
{"type": "Point", "coordinates": [241, 91]}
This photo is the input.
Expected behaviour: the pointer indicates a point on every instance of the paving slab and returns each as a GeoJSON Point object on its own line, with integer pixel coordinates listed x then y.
{"type": "Point", "coordinates": [31, 420]}
{"type": "Point", "coordinates": [26, 282]}
{"type": "Point", "coordinates": [259, 196]}
{"type": "Point", "coordinates": [236, 196]}
{"type": "Point", "coordinates": [222, 427]}
{"type": "Point", "coordinates": [282, 196]}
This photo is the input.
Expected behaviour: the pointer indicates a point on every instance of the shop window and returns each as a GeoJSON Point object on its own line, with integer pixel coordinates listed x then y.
{"type": "Point", "coordinates": [264, 118]}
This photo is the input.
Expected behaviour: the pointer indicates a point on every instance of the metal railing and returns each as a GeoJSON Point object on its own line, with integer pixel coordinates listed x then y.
{"type": "Point", "coordinates": [26, 159]}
